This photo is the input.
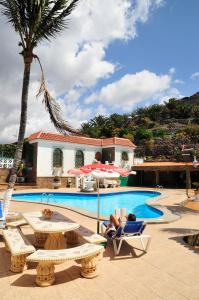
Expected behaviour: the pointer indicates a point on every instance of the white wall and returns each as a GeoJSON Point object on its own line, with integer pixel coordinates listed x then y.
{"type": "Point", "coordinates": [131, 158]}
{"type": "Point", "coordinates": [44, 160]}
{"type": "Point", "coordinates": [118, 155]}
{"type": "Point", "coordinates": [89, 154]}
{"type": "Point", "coordinates": [45, 156]}
{"type": "Point", "coordinates": [68, 159]}
{"type": "Point", "coordinates": [69, 155]}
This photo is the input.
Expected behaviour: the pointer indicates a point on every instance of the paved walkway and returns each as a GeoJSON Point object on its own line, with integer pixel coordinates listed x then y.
{"type": "Point", "coordinates": [168, 271]}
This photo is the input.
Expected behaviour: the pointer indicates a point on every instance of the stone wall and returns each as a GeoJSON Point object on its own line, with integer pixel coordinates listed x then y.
{"type": "Point", "coordinates": [4, 173]}
{"type": "Point", "coordinates": [46, 182]}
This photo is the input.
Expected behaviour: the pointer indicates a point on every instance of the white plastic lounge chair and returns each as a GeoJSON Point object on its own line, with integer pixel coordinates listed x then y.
{"type": "Point", "coordinates": [88, 185]}
{"type": "Point", "coordinates": [131, 231]}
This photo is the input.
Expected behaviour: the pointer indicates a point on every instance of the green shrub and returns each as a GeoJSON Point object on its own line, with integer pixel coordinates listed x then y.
{"type": "Point", "coordinates": [143, 134]}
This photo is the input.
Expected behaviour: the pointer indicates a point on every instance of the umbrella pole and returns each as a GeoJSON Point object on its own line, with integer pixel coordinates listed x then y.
{"type": "Point", "coordinates": [98, 206]}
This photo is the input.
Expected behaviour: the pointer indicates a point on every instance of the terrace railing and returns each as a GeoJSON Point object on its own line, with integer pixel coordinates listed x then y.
{"type": "Point", "coordinates": [6, 163]}
{"type": "Point", "coordinates": [138, 161]}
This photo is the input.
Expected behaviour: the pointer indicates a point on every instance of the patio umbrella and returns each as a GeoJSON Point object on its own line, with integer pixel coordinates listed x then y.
{"type": "Point", "coordinates": [100, 171]}
{"type": "Point", "coordinates": [99, 174]}
{"type": "Point", "coordinates": [75, 172]}
{"type": "Point", "coordinates": [104, 171]}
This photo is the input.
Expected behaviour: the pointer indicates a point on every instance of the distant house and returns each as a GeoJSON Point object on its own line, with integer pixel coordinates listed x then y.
{"type": "Point", "coordinates": [54, 154]}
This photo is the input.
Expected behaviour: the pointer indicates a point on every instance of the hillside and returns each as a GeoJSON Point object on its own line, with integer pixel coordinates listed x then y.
{"type": "Point", "coordinates": [159, 130]}
{"type": "Point", "coordinates": [194, 99]}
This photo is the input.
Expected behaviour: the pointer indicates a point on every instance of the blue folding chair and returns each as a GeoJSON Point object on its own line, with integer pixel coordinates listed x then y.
{"type": "Point", "coordinates": [132, 230]}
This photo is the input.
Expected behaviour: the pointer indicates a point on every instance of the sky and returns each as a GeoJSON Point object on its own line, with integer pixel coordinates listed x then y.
{"type": "Point", "coordinates": [116, 56]}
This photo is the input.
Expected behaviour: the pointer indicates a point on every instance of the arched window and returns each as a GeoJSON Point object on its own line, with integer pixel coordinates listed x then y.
{"type": "Point", "coordinates": [79, 159]}
{"type": "Point", "coordinates": [57, 158]}
{"type": "Point", "coordinates": [125, 156]}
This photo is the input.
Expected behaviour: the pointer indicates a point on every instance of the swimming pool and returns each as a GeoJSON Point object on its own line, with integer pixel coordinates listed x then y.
{"type": "Point", "coordinates": [133, 201]}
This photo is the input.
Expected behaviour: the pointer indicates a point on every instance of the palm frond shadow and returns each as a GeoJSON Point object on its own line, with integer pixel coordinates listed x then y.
{"type": "Point", "coordinates": [181, 210]}
{"type": "Point", "coordinates": [181, 231]}
{"type": "Point", "coordinates": [180, 240]}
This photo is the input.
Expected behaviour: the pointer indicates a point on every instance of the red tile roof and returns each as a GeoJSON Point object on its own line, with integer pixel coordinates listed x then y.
{"type": "Point", "coordinates": [117, 141]}
{"type": "Point", "coordinates": [80, 139]}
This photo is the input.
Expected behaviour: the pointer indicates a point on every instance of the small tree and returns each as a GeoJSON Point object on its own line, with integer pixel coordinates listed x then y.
{"type": "Point", "coordinates": [143, 134]}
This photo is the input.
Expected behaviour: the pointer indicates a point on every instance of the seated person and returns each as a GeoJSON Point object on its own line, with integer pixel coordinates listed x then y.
{"type": "Point", "coordinates": [116, 223]}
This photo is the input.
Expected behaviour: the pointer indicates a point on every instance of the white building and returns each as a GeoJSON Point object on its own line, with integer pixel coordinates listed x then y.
{"type": "Point", "coordinates": [55, 154]}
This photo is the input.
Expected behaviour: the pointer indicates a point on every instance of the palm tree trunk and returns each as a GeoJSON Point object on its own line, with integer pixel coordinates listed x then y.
{"type": "Point", "coordinates": [22, 128]}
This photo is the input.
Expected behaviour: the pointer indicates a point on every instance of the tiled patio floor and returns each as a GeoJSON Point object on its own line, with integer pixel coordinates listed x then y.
{"type": "Point", "coordinates": [168, 271]}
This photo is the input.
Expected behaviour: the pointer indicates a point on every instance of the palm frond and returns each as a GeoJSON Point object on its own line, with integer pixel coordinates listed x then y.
{"type": "Point", "coordinates": [55, 21]}
{"type": "Point", "coordinates": [15, 16]}
{"type": "Point", "coordinates": [36, 20]}
{"type": "Point", "coordinates": [53, 108]}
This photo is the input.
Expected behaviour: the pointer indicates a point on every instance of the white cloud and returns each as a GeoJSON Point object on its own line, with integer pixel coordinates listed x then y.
{"type": "Point", "coordinates": [143, 9]}
{"type": "Point", "coordinates": [101, 110]}
{"type": "Point", "coordinates": [72, 96]}
{"type": "Point", "coordinates": [76, 114]}
{"type": "Point", "coordinates": [73, 63]}
{"type": "Point", "coordinates": [132, 89]}
{"type": "Point", "coordinates": [179, 81]}
{"type": "Point", "coordinates": [194, 75]}
{"type": "Point", "coordinates": [82, 48]}
{"type": "Point", "coordinates": [91, 99]}
{"type": "Point", "coordinates": [169, 94]}
{"type": "Point", "coordinates": [172, 71]}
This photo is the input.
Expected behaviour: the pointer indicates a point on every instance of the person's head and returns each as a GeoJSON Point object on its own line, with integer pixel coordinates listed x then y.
{"type": "Point", "coordinates": [131, 217]}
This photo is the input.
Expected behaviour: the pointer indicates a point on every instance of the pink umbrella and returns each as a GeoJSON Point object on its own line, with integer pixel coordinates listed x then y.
{"type": "Point", "coordinates": [103, 167]}
{"type": "Point", "coordinates": [75, 172]}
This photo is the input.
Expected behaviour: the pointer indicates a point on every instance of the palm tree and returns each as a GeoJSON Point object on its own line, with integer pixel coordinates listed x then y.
{"type": "Point", "coordinates": [35, 21]}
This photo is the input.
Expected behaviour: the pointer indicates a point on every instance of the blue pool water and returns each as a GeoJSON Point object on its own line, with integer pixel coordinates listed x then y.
{"type": "Point", "coordinates": [133, 201]}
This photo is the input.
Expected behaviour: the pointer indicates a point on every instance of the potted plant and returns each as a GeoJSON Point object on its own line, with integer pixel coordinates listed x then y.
{"type": "Point", "coordinates": [56, 182]}
{"type": "Point", "coordinates": [196, 191]}
{"type": "Point", "coordinates": [21, 173]}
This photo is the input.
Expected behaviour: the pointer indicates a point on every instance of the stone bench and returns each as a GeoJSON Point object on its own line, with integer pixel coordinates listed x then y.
{"type": "Point", "coordinates": [86, 234]}
{"type": "Point", "coordinates": [19, 248]}
{"type": "Point", "coordinates": [13, 216]}
{"type": "Point", "coordinates": [16, 224]}
{"type": "Point", "coordinates": [12, 220]}
{"type": "Point", "coordinates": [87, 255]}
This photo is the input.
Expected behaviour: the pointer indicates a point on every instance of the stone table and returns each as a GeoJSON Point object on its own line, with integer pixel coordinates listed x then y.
{"type": "Point", "coordinates": [49, 232]}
